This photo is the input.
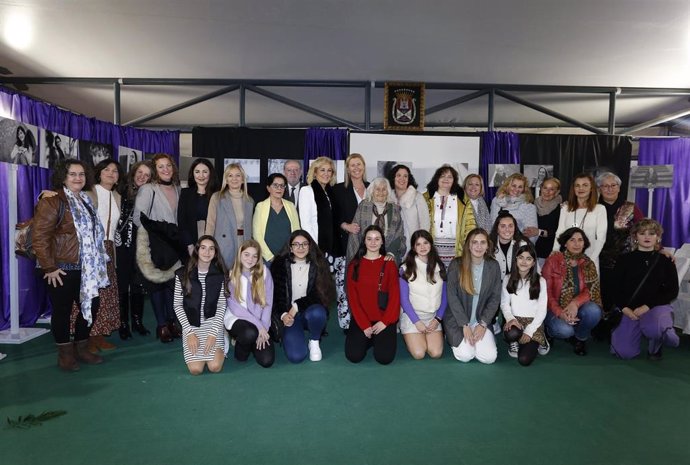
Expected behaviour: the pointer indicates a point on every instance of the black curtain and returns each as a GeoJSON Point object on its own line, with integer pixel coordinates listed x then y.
{"type": "Point", "coordinates": [262, 144]}
{"type": "Point", "coordinates": [574, 154]}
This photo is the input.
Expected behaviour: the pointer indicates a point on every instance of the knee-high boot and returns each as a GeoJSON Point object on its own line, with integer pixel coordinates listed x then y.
{"type": "Point", "coordinates": [137, 309]}
{"type": "Point", "coordinates": [124, 331]}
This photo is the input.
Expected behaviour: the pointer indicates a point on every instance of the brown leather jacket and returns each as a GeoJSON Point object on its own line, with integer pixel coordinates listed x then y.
{"type": "Point", "coordinates": [54, 243]}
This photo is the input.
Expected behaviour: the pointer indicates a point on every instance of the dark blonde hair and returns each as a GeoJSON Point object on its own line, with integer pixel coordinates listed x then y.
{"type": "Point", "coordinates": [256, 278]}
{"type": "Point", "coordinates": [503, 190]}
{"type": "Point", "coordinates": [154, 173]}
{"type": "Point", "coordinates": [646, 224]}
{"type": "Point", "coordinates": [349, 158]}
{"type": "Point", "coordinates": [465, 275]}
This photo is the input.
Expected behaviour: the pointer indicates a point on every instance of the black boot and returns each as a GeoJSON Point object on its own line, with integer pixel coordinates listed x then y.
{"type": "Point", "coordinates": [124, 331]}
{"type": "Point", "coordinates": [137, 314]}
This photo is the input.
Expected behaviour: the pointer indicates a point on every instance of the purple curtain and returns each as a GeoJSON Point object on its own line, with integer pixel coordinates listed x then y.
{"type": "Point", "coordinates": [52, 118]}
{"type": "Point", "coordinates": [669, 206]}
{"type": "Point", "coordinates": [497, 147]}
{"type": "Point", "coordinates": [319, 142]}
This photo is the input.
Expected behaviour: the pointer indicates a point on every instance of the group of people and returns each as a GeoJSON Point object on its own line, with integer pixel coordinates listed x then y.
{"type": "Point", "coordinates": [223, 273]}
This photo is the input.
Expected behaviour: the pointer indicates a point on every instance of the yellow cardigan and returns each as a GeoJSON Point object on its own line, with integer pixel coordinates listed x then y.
{"type": "Point", "coordinates": [261, 218]}
{"type": "Point", "coordinates": [466, 221]}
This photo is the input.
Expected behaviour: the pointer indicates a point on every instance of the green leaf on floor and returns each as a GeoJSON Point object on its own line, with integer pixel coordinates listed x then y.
{"type": "Point", "coordinates": [29, 421]}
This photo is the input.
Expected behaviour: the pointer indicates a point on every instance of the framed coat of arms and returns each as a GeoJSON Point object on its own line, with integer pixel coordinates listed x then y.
{"type": "Point", "coordinates": [403, 106]}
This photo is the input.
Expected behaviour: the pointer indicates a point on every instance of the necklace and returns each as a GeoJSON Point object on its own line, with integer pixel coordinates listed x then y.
{"type": "Point", "coordinates": [575, 225]}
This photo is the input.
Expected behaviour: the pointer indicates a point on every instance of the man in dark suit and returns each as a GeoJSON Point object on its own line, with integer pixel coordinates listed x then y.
{"type": "Point", "coordinates": [292, 169]}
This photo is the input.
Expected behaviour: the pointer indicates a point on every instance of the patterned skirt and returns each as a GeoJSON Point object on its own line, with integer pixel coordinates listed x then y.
{"type": "Point", "coordinates": [108, 316]}
{"type": "Point", "coordinates": [446, 249]}
{"type": "Point", "coordinates": [538, 335]}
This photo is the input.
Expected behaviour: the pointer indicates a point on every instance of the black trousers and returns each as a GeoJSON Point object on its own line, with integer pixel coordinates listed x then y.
{"type": "Point", "coordinates": [384, 343]}
{"type": "Point", "coordinates": [61, 298]}
{"type": "Point", "coordinates": [245, 334]}
{"type": "Point", "coordinates": [526, 352]}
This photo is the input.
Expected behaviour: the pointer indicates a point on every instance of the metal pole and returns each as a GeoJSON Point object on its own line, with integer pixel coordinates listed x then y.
{"type": "Point", "coordinates": [655, 121]}
{"type": "Point", "coordinates": [243, 108]}
{"type": "Point", "coordinates": [116, 101]}
{"type": "Point", "coordinates": [490, 125]}
{"type": "Point", "coordinates": [455, 102]}
{"type": "Point", "coordinates": [367, 106]}
{"type": "Point", "coordinates": [612, 112]}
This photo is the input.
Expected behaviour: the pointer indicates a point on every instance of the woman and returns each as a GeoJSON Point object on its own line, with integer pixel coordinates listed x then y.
{"type": "Point", "coordinates": [200, 292]}
{"type": "Point", "coordinates": [548, 213]}
{"type": "Point", "coordinates": [507, 237]}
{"type": "Point", "coordinates": [156, 208]}
{"type": "Point", "coordinates": [574, 299]}
{"type": "Point", "coordinates": [24, 147]}
{"type": "Point", "coordinates": [230, 212]}
{"type": "Point", "coordinates": [474, 295]}
{"type": "Point", "coordinates": [582, 211]}
{"type": "Point", "coordinates": [107, 200]}
{"type": "Point", "coordinates": [248, 315]}
{"type": "Point", "coordinates": [68, 240]}
{"type": "Point", "coordinates": [450, 214]}
{"type": "Point", "coordinates": [192, 210]}
{"type": "Point", "coordinates": [621, 215]}
{"type": "Point", "coordinates": [413, 209]}
{"type": "Point", "coordinates": [646, 284]}
{"type": "Point", "coordinates": [302, 290]}
{"type": "Point", "coordinates": [374, 295]}
{"type": "Point", "coordinates": [515, 196]}
{"type": "Point", "coordinates": [379, 210]}
{"type": "Point", "coordinates": [316, 206]}
{"type": "Point", "coordinates": [474, 188]}
{"type": "Point", "coordinates": [523, 303]}
{"type": "Point", "coordinates": [129, 280]}
{"type": "Point", "coordinates": [346, 197]}
{"type": "Point", "coordinates": [423, 297]}
{"type": "Point", "coordinates": [274, 218]}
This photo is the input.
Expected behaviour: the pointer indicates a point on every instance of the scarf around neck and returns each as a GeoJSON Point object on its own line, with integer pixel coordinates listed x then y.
{"type": "Point", "coordinates": [544, 207]}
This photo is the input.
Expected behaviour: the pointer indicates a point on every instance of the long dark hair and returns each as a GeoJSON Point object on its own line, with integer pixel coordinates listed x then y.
{"type": "Point", "coordinates": [132, 188]}
{"type": "Point", "coordinates": [217, 262]}
{"type": "Point", "coordinates": [410, 179]}
{"type": "Point", "coordinates": [432, 187]}
{"type": "Point", "coordinates": [517, 235]}
{"type": "Point", "coordinates": [103, 164]}
{"type": "Point", "coordinates": [532, 276]}
{"type": "Point", "coordinates": [362, 250]}
{"type": "Point", "coordinates": [212, 185]}
{"type": "Point", "coordinates": [433, 260]}
{"type": "Point", "coordinates": [325, 288]}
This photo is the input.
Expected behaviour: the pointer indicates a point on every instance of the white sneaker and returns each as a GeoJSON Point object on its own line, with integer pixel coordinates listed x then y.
{"type": "Point", "coordinates": [314, 351]}
{"type": "Point", "coordinates": [513, 349]}
{"type": "Point", "coordinates": [543, 350]}
{"type": "Point", "coordinates": [497, 328]}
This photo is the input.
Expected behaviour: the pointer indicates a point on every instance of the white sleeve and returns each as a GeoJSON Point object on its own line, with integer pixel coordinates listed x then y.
{"type": "Point", "coordinates": [597, 242]}
{"type": "Point", "coordinates": [540, 311]}
{"type": "Point", "coordinates": [561, 227]}
{"type": "Point", "coordinates": [505, 301]}
{"type": "Point", "coordinates": [308, 215]}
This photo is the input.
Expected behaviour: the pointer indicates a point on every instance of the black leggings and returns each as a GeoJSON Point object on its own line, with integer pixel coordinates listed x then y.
{"type": "Point", "coordinates": [526, 352]}
{"type": "Point", "coordinates": [245, 335]}
{"type": "Point", "coordinates": [61, 298]}
{"type": "Point", "coordinates": [384, 343]}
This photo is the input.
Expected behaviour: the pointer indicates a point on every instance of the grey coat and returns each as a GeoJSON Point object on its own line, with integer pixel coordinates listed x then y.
{"type": "Point", "coordinates": [394, 237]}
{"type": "Point", "coordinates": [155, 207]}
{"type": "Point", "coordinates": [460, 303]}
{"type": "Point", "coordinates": [224, 228]}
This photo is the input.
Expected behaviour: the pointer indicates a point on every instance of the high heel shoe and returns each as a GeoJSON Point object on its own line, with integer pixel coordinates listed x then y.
{"type": "Point", "coordinates": [175, 329]}
{"type": "Point", "coordinates": [124, 331]}
{"type": "Point", "coordinates": [138, 326]}
{"type": "Point", "coordinates": [163, 333]}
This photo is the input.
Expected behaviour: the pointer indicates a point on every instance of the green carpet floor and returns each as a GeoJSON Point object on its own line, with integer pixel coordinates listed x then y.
{"type": "Point", "coordinates": [141, 407]}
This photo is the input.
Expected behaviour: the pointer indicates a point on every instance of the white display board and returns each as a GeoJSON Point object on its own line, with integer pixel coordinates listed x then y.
{"type": "Point", "coordinates": [425, 152]}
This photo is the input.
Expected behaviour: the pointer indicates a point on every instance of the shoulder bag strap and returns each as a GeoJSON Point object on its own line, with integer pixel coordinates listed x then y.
{"type": "Point", "coordinates": [649, 271]}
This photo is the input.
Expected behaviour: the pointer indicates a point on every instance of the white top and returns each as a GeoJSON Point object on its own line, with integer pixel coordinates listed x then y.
{"type": "Point", "coordinates": [519, 304]}
{"type": "Point", "coordinates": [300, 279]}
{"type": "Point", "coordinates": [593, 223]}
{"type": "Point", "coordinates": [446, 218]}
{"type": "Point", "coordinates": [308, 215]}
{"type": "Point", "coordinates": [107, 203]}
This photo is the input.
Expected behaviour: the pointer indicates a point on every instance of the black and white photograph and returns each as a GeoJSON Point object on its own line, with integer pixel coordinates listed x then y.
{"type": "Point", "coordinates": [651, 177]}
{"type": "Point", "coordinates": [499, 173]}
{"type": "Point", "coordinates": [18, 142]}
{"type": "Point", "coordinates": [383, 167]}
{"type": "Point", "coordinates": [128, 156]}
{"type": "Point", "coordinates": [251, 166]}
{"type": "Point", "coordinates": [536, 174]}
{"type": "Point", "coordinates": [339, 170]}
{"type": "Point", "coordinates": [94, 152]}
{"type": "Point", "coordinates": [55, 148]}
{"type": "Point", "coordinates": [276, 165]}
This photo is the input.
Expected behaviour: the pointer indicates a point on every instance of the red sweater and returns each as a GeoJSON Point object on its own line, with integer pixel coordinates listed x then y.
{"type": "Point", "coordinates": [362, 294]}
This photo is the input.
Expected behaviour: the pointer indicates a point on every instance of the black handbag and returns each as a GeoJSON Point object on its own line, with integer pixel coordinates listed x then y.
{"type": "Point", "coordinates": [615, 315]}
{"type": "Point", "coordinates": [382, 296]}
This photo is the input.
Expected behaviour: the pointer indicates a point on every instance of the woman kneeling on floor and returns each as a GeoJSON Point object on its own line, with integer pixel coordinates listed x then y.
{"type": "Point", "coordinates": [374, 296]}
{"type": "Point", "coordinates": [523, 303]}
{"type": "Point", "coordinates": [423, 297]}
{"type": "Point", "coordinates": [474, 295]}
{"type": "Point", "coordinates": [248, 316]}
{"type": "Point", "coordinates": [302, 289]}
{"type": "Point", "coordinates": [647, 282]}
{"type": "Point", "coordinates": [199, 302]}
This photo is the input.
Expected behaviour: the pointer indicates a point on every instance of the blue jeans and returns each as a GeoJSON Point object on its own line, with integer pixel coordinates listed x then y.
{"type": "Point", "coordinates": [312, 319]}
{"type": "Point", "coordinates": [589, 315]}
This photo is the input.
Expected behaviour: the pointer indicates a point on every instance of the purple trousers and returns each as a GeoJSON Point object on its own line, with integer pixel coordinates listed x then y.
{"type": "Point", "coordinates": [656, 325]}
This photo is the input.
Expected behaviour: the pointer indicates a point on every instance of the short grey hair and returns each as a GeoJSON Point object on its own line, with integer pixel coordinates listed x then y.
{"type": "Point", "coordinates": [377, 182]}
{"type": "Point", "coordinates": [608, 174]}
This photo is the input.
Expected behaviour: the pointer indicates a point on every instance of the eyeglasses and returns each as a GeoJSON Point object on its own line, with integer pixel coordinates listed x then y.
{"type": "Point", "coordinates": [278, 186]}
{"type": "Point", "coordinates": [609, 186]}
{"type": "Point", "coordinates": [300, 245]}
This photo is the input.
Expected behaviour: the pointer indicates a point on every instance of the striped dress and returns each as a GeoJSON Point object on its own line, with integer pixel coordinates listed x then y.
{"type": "Point", "coordinates": [211, 326]}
